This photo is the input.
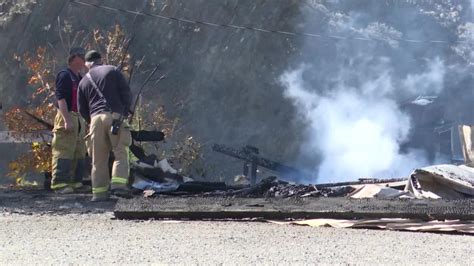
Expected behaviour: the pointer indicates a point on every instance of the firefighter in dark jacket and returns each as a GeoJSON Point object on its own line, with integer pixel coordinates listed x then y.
{"type": "Point", "coordinates": [104, 101]}
{"type": "Point", "coordinates": [68, 147]}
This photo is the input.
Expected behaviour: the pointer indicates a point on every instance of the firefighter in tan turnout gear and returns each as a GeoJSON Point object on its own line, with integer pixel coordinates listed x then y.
{"type": "Point", "coordinates": [68, 147]}
{"type": "Point", "coordinates": [104, 100]}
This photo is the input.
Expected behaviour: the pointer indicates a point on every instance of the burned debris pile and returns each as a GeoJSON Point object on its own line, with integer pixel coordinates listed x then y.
{"type": "Point", "coordinates": [269, 187]}
{"type": "Point", "coordinates": [158, 178]}
{"type": "Point", "coordinates": [251, 157]}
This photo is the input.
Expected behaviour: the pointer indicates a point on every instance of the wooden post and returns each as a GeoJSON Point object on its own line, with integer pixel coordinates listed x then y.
{"type": "Point", "coordinates": [253, 173]}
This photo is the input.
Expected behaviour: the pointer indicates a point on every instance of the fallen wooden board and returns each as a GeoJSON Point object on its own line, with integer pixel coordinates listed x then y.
{"type": "Point", "coordinates": [297, 208]}
{"type": "Point", "coordinates": [445, 226]}
{"type": "Point", "coordinates": [13, 137]}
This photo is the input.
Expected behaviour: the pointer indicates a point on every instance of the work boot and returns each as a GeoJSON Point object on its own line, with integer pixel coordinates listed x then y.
{"type": "Point", "coordinates": [80, 171]}
{"type": "Point", "coordinates": [82, 189]}
{"type": "Point", "coordinates": [61, 174]}
{"type": "Point", "coordinates": [122, 193]}
{"type": "Point", "coordinates": [64, 190]}
{"type": "Point", "coordinates": [100, 197]}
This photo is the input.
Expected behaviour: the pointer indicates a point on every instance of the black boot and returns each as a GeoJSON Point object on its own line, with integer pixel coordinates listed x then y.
{"type": "Point", "coordinates": [61, 176]}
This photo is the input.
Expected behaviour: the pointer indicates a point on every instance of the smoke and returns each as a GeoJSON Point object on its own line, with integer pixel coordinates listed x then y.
{"type": "Point", "coordinates": [357, 131]}
{"type": "Point", "coordinates": [355, 96]}
{"type": "Point", "coordinates": [430, 82]}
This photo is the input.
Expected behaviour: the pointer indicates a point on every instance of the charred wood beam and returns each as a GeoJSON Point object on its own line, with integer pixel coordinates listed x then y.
{"type": "Point", "coordinates": [144, 135]}
{"type": "Point", "coordinates": [362, 181]}
{"type": "Point", "coordinates": [250, 154]}
{"type": "Point", "coordinates": [259, 188]}
{"type": "Point", "coordinates": [138, 151]}
{"type": "Point", "coordinates": [137, 135]}
{"type": "Point", "coordinates": [41, 121]}
{"type": "Point", "coordinates": [16, 137]}
{"type": "Point", "coordinates": [302, 208]}
{"type": "Point", "coordinates": [46, 136]}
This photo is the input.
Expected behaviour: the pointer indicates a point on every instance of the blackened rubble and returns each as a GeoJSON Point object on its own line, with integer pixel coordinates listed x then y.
{"type": "Point", "coordinates": [250, 155]}
{"type": "Point", "coordinates": [159, 178]}
{"type": "Point", "coordinates": [269, 187]}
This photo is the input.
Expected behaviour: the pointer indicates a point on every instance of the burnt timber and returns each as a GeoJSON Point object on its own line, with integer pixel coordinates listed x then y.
{"type": "Point", "coordinates": [250, 154]}
{"type": "Point", "coordinates": [295, 208]}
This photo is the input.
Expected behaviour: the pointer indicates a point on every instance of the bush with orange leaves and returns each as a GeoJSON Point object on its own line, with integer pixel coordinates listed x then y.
{"type": "Point", "coordinates": [19, 120]}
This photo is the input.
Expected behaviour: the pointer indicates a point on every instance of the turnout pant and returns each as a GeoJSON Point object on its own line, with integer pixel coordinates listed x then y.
{"type": "Point", "coordinates": [68, 152]}
{"type": "Point", "coordinates": [100, 142]}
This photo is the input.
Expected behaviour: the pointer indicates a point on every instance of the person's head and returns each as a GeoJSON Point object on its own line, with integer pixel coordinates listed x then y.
{"type": "Point", "coordinates": [93, 58]}
{"type": "Point", "coordinates": [76, 59]}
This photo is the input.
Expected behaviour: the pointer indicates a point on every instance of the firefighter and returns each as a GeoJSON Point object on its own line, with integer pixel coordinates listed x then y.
{"type": "Point", "coordinates": [68, 147]}
{"type": "Point", "coordinates": [104, 101]}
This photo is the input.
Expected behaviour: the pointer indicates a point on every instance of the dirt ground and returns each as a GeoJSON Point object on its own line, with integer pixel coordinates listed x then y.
{"type": "Point", "coordinates": [42, 228]}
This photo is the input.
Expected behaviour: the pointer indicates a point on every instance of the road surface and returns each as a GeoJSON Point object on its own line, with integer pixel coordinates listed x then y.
{"type": "Point", "coordinates": [42, 230]}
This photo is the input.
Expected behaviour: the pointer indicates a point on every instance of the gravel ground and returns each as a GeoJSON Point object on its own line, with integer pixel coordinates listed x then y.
{"type": "Point", "coordinates": [38, 227]}
{"type": "Point", "coordinates": [98, 238]}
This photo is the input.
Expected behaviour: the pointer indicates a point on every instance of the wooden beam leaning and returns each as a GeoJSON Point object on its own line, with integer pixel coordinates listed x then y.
{"type": "Point", "coordinates": [251, 155]}
{"type": "Point", "coordinates": [15, 137]}
{"type": "Point", "coordinates": [196, 208]}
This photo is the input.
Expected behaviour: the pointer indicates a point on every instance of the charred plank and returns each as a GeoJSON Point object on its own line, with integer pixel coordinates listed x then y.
{"type": "Point", "coordinates": [297, 208]}
{"type": "Point", "coordinates": [250, 154]}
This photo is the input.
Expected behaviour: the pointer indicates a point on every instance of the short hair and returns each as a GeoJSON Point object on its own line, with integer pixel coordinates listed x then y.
{"type": "Point", "coordinates": [72, 57]}
{"type": "Point", "coordinates": [74, 52]}
{"type": "Point", "coordinates": [92, 56]}
{"type": "Point", "coordinates": [97, 61]}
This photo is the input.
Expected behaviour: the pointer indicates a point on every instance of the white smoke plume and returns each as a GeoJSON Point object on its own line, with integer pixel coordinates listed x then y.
{"type": "Point", "coordinates": [356, 130]}
{"type": "Point", "coordinates": [429, 82]}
